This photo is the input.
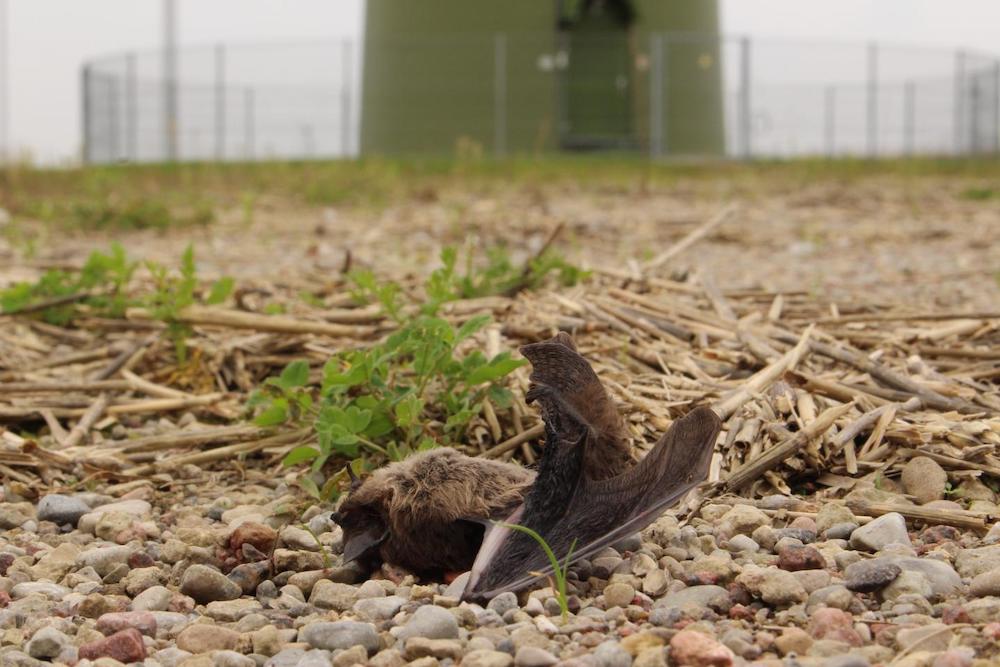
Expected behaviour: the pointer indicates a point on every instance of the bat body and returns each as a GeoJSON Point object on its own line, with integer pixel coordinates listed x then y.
{"type": "Point", "coordinates": [422, 513]}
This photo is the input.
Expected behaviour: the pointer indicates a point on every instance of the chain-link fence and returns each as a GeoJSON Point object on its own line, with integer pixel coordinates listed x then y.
{"type": "Point", "coordinates": [666, 95]}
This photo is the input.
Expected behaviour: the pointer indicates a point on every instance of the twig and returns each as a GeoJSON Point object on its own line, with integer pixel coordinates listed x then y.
{"type": "Point", "coordinates": [242, 320]}
{"type": "Point", "coordinates": [511, 443]}
{"type": "Point", "coordinates": [92, 414]}
{"type": "Point", "coordinates": [690, 239]}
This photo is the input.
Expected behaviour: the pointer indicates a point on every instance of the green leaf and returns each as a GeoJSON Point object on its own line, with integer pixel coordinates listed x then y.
{"type": "Point", "coordinates": [499, 366]}
{"type": "Point", "coordinates": [471, 326]}
{"type": "Point", "coordinates": [309, 486]}
{"type": "Point", "coordinates": [276, 413]}
{"type": "Point", "coordinates": [295, 374]}
{"type": "Point", "coordinates": [221, 289]}
{"type": "Point", "coordinates": [408, 411]}
{"type": "Point", "coordinates": [300, 454]}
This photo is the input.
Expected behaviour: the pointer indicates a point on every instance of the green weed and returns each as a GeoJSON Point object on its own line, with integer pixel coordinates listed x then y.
{"type": "Point", "coordinates": [558, 571]}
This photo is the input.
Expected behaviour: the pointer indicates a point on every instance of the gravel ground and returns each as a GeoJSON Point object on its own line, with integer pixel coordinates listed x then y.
{"type": "Point", "coordinates": [175, 574]}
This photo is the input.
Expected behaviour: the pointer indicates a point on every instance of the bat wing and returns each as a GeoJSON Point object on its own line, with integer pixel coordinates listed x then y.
{"type": "Point", "coordinates": [567, 504]}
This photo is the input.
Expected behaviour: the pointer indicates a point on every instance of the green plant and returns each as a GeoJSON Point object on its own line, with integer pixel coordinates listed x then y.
{"type": "Point", "coordinates": [58, 295]}
{"type": "Point", "coordinates": [558, 571]}
{"type": "Point", "coordinates": [416, 389]}
{"type": "Point", "coordinates": [173, 293]}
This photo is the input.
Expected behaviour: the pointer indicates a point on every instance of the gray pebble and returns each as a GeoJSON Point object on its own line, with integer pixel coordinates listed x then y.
{"type": "Point", "coordinates": [887, 529]}
{"type": "Point", "coordinates": [533, 656]}
{"type": "Point", "coordinates": [866, 576]}
{"type": "Point", "coordinates": [61, 509]}
{"type": "Point", "coordinates": [205, 584]}
{"type": "Point", "coordinates": [611, 654]}
{"type": "Point", "coordinates": [340, 635]}
{"type": "Point", "coordinates": [48, 642]}
{"type": "Point", "coordinates": [503, 603]}
{"type": "Point", "coordinates": [431, 622]}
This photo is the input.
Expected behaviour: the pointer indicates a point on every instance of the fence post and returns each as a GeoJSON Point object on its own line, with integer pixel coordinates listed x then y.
{"type": "Point", "coordinates": [248, 123]}
{"type": "Point", "coordinates": [85, 117]}
{"type": "Point", "coordinates": [655, 96]}
{"type": "Point", "coordinates": [974, 101]}
{"type": "Point", "coordinates": [909, 116]}
{"type": "Point", "coordinates": [347, 64]}
{"type": "Point", "coordinates": [872, 121]}
{"type": "Point", "coordinates": [114, 126]}
{"type": "Point", "coordinates": [830, 119]}
{"type": "Point", "coordinates": [170, 112]}
{"type": "Point", "coordinates": [996, 106]}
{"type": "Point", "coordinates": [959, 102]}
{"type": "Point", "coordinates": [500, 94]}
{"type": "Point", "coordinates": [131, 109]}
{"type": "Point", "coordinates": [746, 118]}
{"type": "Point", "coordinates": [220, 101]}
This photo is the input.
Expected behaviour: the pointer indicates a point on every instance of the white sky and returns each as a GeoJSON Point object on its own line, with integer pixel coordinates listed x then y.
{"type": "Point", "coordinates": [50, 39]}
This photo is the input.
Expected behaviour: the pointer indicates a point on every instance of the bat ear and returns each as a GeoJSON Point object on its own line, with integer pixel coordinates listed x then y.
{"type": "Point", "coordinates": [355, 480]}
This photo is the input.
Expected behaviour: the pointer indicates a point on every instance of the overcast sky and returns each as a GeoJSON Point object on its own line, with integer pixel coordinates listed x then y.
{"type": "Point", "coordinates": [50, 39]}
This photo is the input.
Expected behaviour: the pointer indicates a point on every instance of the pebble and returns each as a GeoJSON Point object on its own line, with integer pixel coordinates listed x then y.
{"type": "Point", "coordinates": [924, 479]}
{"type": "Point", "coordinates": [503, 603]}
{"type": "Point", "coordinates": [532, 656]}
{"type": "Point", "coordinates": [431, 622]}
{"type": "Point", "coordinates": [204, 637]}
{"type": "Point", "coordinates": [695, 649]}
{"type": "Point", "coordinates": [986, 583]}
{"type": "Point", "coordinates": [618, 595]}
{"type": "Point", "coordinates": [206, 584]}
{"type": "Point", "coordinates": [707, 596]}
{"type": "Point", "coordinates": [61, 510]}
{"type": "Point", "coordinates": [866, 576]}
{"type": "Point", "coordinates": [875, 535]}
{"type": "Point", "coordinates": [125, 646]}
{"type": "Point", "coordinates": [489, 658]}
{"type": "Point", "coordinates": [773, 586]}
{"type": "Point", "coordinates": [335, 635]}
{"type": "Point", "coordinates": [47, 642]}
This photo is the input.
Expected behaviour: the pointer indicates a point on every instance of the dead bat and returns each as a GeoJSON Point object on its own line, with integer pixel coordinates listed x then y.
{"type": "Point", "coordinates": [425, 513]}
{"type": "Point", "coordinates": [416, 513]}
{"type": "Point", "coordinates": [586, 494]}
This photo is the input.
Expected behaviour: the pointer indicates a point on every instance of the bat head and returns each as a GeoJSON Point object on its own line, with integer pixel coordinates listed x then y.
{"type": "Point", "coordinates": [362, 517]}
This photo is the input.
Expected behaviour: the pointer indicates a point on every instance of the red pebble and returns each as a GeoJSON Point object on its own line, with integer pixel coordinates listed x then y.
{"type": "Point", "coordinates": [143, 621]}
{"type": "Point", "coordinates": [258, 535]}
{"type": "Point", "coordinates": [695, 649]}
{"type": "Point", "coordinates": [830, 623]}
{"type": "Point", "coordinates": [125, 646]}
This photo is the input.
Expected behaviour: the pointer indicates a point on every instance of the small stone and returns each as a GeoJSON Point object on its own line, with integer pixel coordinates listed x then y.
{"type": "Point", "coordinates": [708, 596]}
{"type": "Point", "coordinates": [421, 647]}
{"type": "Point", "coordinates": [610, 654]}
{"type": "Point", "coordinates": [431, 622]}
{"type": "Point", "coordinates": [105, 559]}
{"type": "Point", "coordinates": [205, 585]}
{"type": "Point", "coordinates": [793, 640]}
{"type": "Point", "coordinates": [487, 658]}
{"type": "Point", "coordinates": [328, 594]}
{"type": "Point", "coordinates": [924, 479]}
{"type": "Point", "coordinates": [379, 609]}
{"type": "Point", "coordinates": [908, 582]}
{"type": "Point", "coordinates": [956, 657]}
{"type": "Point", "coordinates": [618, 595]}
{"type": "Point", "coordinates": [143, 621]}
{"type": "Point", "coordinates": [655, 583]}
{"type": "Point", "coordinates": [266, 640]}
{"type": "Point", "coordinates": [887, 529]}
{"type": "Point", "coordinates": [794, 558]}
{"type": "Point", "coordinates": [231, 659]}
{"type": "Point", "coordinates": [258, 535]}
{"type": "Point", "coordinates": [331, 636]}
{"type": "Point", "coordinates": [772, 585]}
{"type": "Point", "coordinates": [833, 624]}
{"type": "Point", "coordinates": [204, 637]}
{"type": "Point", "coordinates": [987, 583]}
{"type": "Point", "coordinates": [61, 510]}
{"type": "Point", "coordinates": [696, 649]}
{"type": "Point", "coordinates": [230, 611]}
{"type": "Point", "coordinates": [744, 519]}
{"type": "Point", "coordinates": [155, 598]}
{"type": "Point", "coordinates": [654, 657]}
{"type": "Point", "coordinates": [973, 562]}
{"type": "Point", "coordinates": [841, 531]}
{"type": "Point", "coordinates": [356, 655]}
{"type": "Point", "coordinates": [503, 603]}
{"type": "Point", "coordinates": [866, 576]}
{"type": "Point", "coordinates": [47, 642]}
{"type": "Point", "coordinates": [532, 656]}
{"type": "Point", "coordinates": [640, 642]}
{"type": "Point", "coordinates": [742, 543]}
{"type": "Point", "coordinates": [125, 646]}
{"type": "Point", "coordinates": [835, 596]}
{"type": "Point", "coordinates": [831, 514]}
